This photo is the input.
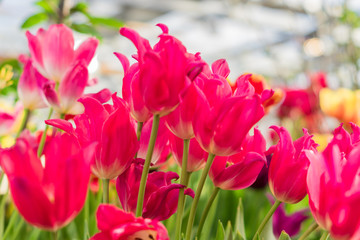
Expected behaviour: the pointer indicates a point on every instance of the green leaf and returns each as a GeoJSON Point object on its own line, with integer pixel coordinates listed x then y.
{"type": "Point", "coordinates": [80, 7]}
{"type": "Point", "coordinates": [284, 236]}
{"type": "Point", "coordinates": [34, 20]}
{"type": "Point", "coordinates": [238, 236]}
{"type": "Point", "coordinates": [220, 233]}
{"type": "Point", "coordinates": [87, 29]}
{"type": "Point", "coordinates": [228, 231]}
{"type": "Point", "coordinates": [239, 220]}
{"type": "Point", "coordinates": [46, 6]}
{"type": "Point", "coordinates": [109, 22]}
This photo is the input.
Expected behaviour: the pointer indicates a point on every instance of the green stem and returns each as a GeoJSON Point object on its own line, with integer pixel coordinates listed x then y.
{"type": "Point", "coordinates": [24, 122]}
{"type": "Point", "coordinates": [138, 133]}
{"type": "Point", "coordinates": [55, 235]}
{"type": "Point", "coordinates": [86, 215]}
{"type": "Point", "coordinates": [308, 231]}
{"type": "Point", "coordinates": [325, 235]}
{"type": "Point", "coordinates": [11, 224]}
{"type": "Point", "coordinates": [206, 210]}
{"type": "Point", "coordinates": [197, 195]}
{"type": "Point", "coordinates": [184, 177]}
{"type": "Point", "coordinates": [105, 183]}
{"type": "Point", "coordinates": [267, 218]}
{"type": "Point", "coordinates": [43, 137]}
{"type": "Point", "coordinates": [3, 213]}
{"type": "Point", "coordinates": [144, 175]}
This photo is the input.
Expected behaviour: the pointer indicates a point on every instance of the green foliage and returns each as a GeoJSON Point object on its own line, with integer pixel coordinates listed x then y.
{"type": "Point", "coordinates": [350, 17]}
{"type": "Point", "coordinates": [50, 11]}
{"type": "Point", "coordinates": [220, 233]}
{"type": "Point", "coordinates": [284, 236]}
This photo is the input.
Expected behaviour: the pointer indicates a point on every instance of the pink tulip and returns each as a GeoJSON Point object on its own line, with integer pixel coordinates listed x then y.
{"type": "Point", "coordinates": [240, 170]}
{"type": "Point", "coordinates": [115, 224]}
{"type": "Point", "coordinates": [161, 196]}
{"type": "Point", "coordinates": [197, 156]}
{"type": "Point", "coordinates": [334, 188]}
{"type": "Point", "coordinates": [6, 123]}
{"type": "Point", "coordinates": [112, 128]}
{"type": "Point", "coordinates": [30, 87]}
{"type": "Point", "coordinates": [53, 51]}
{"type": "Point", "coordinates": [163, 70]}
{"type": "Point", "coordinates": [162, 147]}
{"type": "Point", "coordinates": [289, 166]}
{"type": "Point", "coordinates": [131, 90]}
{"type": "Point", "coordinates": [48, 197]}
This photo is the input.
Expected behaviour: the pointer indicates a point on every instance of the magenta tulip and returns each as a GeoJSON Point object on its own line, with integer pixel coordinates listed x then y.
{"type": "Point", "coordinates": [115, 224]}
{"type": "Point", "coordinates": [112, 128]}
{"type": "Point", "coordinates": [240, 170]}
{"type": "Point", "coordinates": [53, 51]}
{"type": "Point", "coordinates": [131, 90]}
{"type": "Point", "coordinates": [334, 188]}
{"type": "Point", "coordinates": [48, 197]}
{"type": "Point", "coordinates": [161, 196]}
{"type": "Point", "coordinates": [197, 156]}
{"type": "Point", "coordinates": [163, 70]}
{"type": "Point", "coordinates": [30, 87]}
{"type": "Point", "coordinates": [289, 166]}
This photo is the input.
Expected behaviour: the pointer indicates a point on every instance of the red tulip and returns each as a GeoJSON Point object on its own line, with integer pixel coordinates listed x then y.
{"type": "Point", "coordinates": [48, 197]}
{"type": "Point", "coordinates": [53, 51]}
{"type": "Point", "coordinates": [163, 70]}
{"type": "Point", "coordinates": [111, 126]}
{"type": "Point", "coordinates": [334, 188]}
{"type": "Point", "coordinates": [240, 170]}
{"type": "Point", "coordinates": [131, 90]}
{"type": "Point", "coordinates": [161, 149]}
{"type": "Point", "coordinates": [30, 87]}
{"type": "Point", "coordinates": [289, 166]}
{"type": "Point", "coordinates": [115, 224]}
{"type": "Point", "coordinates": [161, 196]}
{"type": "Point", "coordinates": [197, 156]}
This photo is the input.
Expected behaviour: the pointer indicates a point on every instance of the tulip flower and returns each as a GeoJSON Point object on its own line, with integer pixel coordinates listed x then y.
{"type": "Point", "coordinates": [289, 165]}
{"type": "Point", "coordinates": [333, 188]}
{"type": "Point", "coordinates": [53, 51]}
{"type": "Point", "coordinates": [112, 128]}
{"type": "Point", "coordinates": [6, 122]}
{"type": "Point", "coordinates": [50, 196]}
{"type": "Point", "coordinates": [116, 224]}
{"type": "Point", "coordinates": [161, 149]}
{"type": "Point", "coordinates": [196, 158]}
{"type": "Point", "coordinates": [290, 223]}
{"type": "Point", "coordinates": [163, 70]}
{"type": "Point", "coordinates": [30, 87]}
{"type": "Point", "coordinates": [131, 90]}
{"type": "Point", "coordinates": [161, 196]}
{"type": "Point", "coordinates": [240, 170]}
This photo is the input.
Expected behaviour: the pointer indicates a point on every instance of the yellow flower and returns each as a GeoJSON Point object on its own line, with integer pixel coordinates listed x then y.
{"type": "Point", "coordinates": [6, 73]}
{"type": "Point", "coordinates": [343, 104]}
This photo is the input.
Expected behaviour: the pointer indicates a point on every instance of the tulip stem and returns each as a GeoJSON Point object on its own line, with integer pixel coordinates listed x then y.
{"type": "Point", "coordinates": [206, 211]}
{"type": "Point", "coordinates": [267, 218]}
{"type": "Point", "coordinates": [43, 137]}
{"type": "Point", "coordinates": [55, 235]}
{"type": "Point", "coordinates": [105, 183]}
{"type": "Point", "coordinates": [183, 180]}
{"type": "Point", "coordinates": [197, 195]}
{"type": "Point", "coordinates": [308, 231]}
{"type": "Point", "coordinates": [325, 235]}
{"type": "Point", "coordinates": [24, 121]}
{"type": "Point", "coordinates": [144, 175]}
{"type": "Point", "coordinates": [139, 129]}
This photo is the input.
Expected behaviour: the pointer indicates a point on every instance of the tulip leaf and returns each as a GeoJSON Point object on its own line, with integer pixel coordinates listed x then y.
{"type": "Point", "coordinates": [228, 231]}
{"type": "Point", "coordinates": [220, 233]}
{"type": "Point", "coordinates": [239, 220]}
{"type": "Point", "coordinates": [109, 22]}
{"type": "Point", "coordinates": [45, 5]}
{"type": "Point", "coordinates": [87, 29]}
{"type": "Point", "coordinates": [238, 236]}
{"type": "Point", "coordinates": [284, 236]}
{"type": "Point", "coordinates": [79, 7]}
{"type": "Point", "coordinates": [34, 20]}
